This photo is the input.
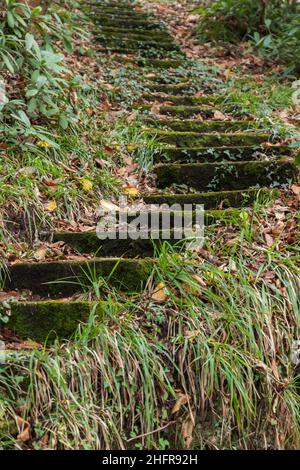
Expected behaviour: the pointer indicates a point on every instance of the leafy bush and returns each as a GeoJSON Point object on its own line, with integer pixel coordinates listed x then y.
{"type": "Point", "coordinates": [273, 26]}
{"type": "Point", "coordinates": [37, 82]}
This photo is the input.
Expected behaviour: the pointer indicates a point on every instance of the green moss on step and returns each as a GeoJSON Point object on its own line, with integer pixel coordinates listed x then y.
{"type": "Point", "coordinates": [43, 321]}
{"type": "Point", "coordinates": [185, 100]}
{"type": "Point", "coordinates": [225, 154]}
{"type": "Point", "coordinates": [227, 176]}
{"type": "Point", "coordinates": [187, 111]}
{"type": "Point", "coordinates": [8, 429]}
{"type": "Point", "coordinates": [129, 23]}
{"type": "Point", "coordinates": [212, 140]}
{"type": "Point", "coordinates": [173, 89]}
{"type": "Point", "coordinates": [62, 278]}
{"type": "Point", "coordinates": [202, 126]}
{"type": "Point", "coordinates": [213, 200]}
{"type": "Point", "coordinates": [136, 34]}
{"type": "Point", "coordinates": [154, 63]}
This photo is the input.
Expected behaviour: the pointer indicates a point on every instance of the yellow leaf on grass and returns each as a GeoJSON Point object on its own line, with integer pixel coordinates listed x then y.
{"type": "Point", "coordinates": [86, 184]}
{"type": "Point", "coordinates": [131, 191]}
{"type": "Point", "coordinates": [159, 294]}
{"type": "Point", "coordinates": [44, 144]}
{"type": "Point", "coordinates": [51, 206]}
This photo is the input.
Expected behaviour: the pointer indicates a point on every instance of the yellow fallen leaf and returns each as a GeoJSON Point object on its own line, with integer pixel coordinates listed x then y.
{"type": "Point", "coordinates": [51, 206]}
{"type": "Point", "coordinates": [44, 144]}
{"type": "Point", "coordinates": [159, 294]}
{"type": "Point", "coordinates": [131, 191]}
{"type": "Point", "coordinates": [86, 184]}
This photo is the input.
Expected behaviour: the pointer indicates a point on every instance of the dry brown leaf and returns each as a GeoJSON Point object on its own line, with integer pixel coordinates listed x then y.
{"type": "Point", "coordinates": [187, 431]}
{"type": "Point", "coordinates": [296, 189]}
{"type": "Point", "coordinates": [108, 206]}
{"type": "Point", "coordinates": [23, 428]}
{"type": "Point", "coordinates": [220, 116]}
{"type": "Point", "coordinates": [40, 253]}
{"type": "Point", "coordinates": [269, 240]}
{"type": "Point", "coordinates": [159, 294]}
{"type": "Point", "coordinates": [181, 401]}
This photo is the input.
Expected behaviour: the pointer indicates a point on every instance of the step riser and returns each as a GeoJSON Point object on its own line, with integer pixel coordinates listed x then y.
{"type": "Point", "coordinates": [190, 139]}
{"type": "Point", "coordinates": [189, 111]}
{"type": "Point", "coordinates": [129, 276]}
{"type": "Point", "coordinates": [225, 154]}
{"type": "Point", "coordinates": [214, 200]}
{"type": "Point", "coordinates": [228, 176]}
{"type": "Point", "coordinates": [89, 243]}
{"type": "Point", "coordinates": [185, 100]}
{"type": "Point", "coordinates": [202, 127]}
{"type": "Point", "coordinates": [47, 321]}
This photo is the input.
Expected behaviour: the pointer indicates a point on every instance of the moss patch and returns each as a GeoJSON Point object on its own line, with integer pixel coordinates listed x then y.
{"type": "Point", "coordinates": [184, 100]}
{"type": "Point", "coordinates": [225, 154]}
{"type": "Point", "coordinates": [227, 176]}
{"type": "Point", "coordinates": [43, 321]}
{"type": "Point", "coordinates": [194, 139]}
{"type": "Point", "coordinates": [203, 126]}
{"type": "Point", "coordinates": [63, 278]}
{"type": "Point", "coordinates": [212, 200]}
{"type": "Point", "coordinates": [187, 111]}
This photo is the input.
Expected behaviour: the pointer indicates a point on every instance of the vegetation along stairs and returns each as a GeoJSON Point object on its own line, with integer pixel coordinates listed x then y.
{"type": "Point", "coordinates": [223, 164]}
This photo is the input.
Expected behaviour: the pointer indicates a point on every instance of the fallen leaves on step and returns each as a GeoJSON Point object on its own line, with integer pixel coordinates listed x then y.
{"type": "Point", "coordinates": [40, 253]}
{"type": "Point", "coordinates": [109, 206]}
{"type": "Point", "coordinates": [159, 294]}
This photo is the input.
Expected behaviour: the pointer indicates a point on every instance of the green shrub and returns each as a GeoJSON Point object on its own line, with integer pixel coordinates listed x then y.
{"type": "Point", "coordinates": [273, 26]}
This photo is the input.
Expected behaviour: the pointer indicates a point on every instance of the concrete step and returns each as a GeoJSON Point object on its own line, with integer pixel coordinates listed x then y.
{"type": "Point", "coordinates": [227, 175]}
{"type": "Point", "coordinates": [210, 140]}
{"type": "Point", "coordinates": [218, 154]}
{"type": "Point", "coordinates": [213, 200]}
{"type": "Point", "coordinates": [58, 279]}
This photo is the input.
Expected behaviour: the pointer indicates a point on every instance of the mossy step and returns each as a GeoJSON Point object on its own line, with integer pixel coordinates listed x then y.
{"type": "Point", "coordinates": [228, 153]}
{"type": "Point", "coordinates": [66, 276]}
{"type": "Point", "coordinates": [187, 111]}
{"type": "Point", "coordinates": [184, 100]}
{"type": "Point", "coordinates": [115, 33]}
{"type": "Point", "coordinates": [195, 139]}
{"type": "Point", "coordinates": [136, 44]}
{"type": "Point", "coordinates": [120, 11]}
{"type": "Point", "coordinates": [128, 23]}
{"type": "Point", "coordinates": [89, 243]}
{"type": "Point", "coordinates": [170, 89]}
{"type": "Point", "coordinates": [214, 200]}
{"type": "Point", "coordinates": [202, 126]}
{"type": "Point", "coordinates": [228, 175]}
{"type": "Point", "coordinates": [151, 63]}
{"type": "Point", "coordinates": [46, 321]}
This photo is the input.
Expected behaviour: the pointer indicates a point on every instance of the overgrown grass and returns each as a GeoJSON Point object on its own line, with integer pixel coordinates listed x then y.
{"type": "Point", "coordinates": [220, 341]}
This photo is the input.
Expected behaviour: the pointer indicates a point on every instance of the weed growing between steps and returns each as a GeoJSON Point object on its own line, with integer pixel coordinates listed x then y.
{"type": "Point", "coordinates": [122, 382]}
